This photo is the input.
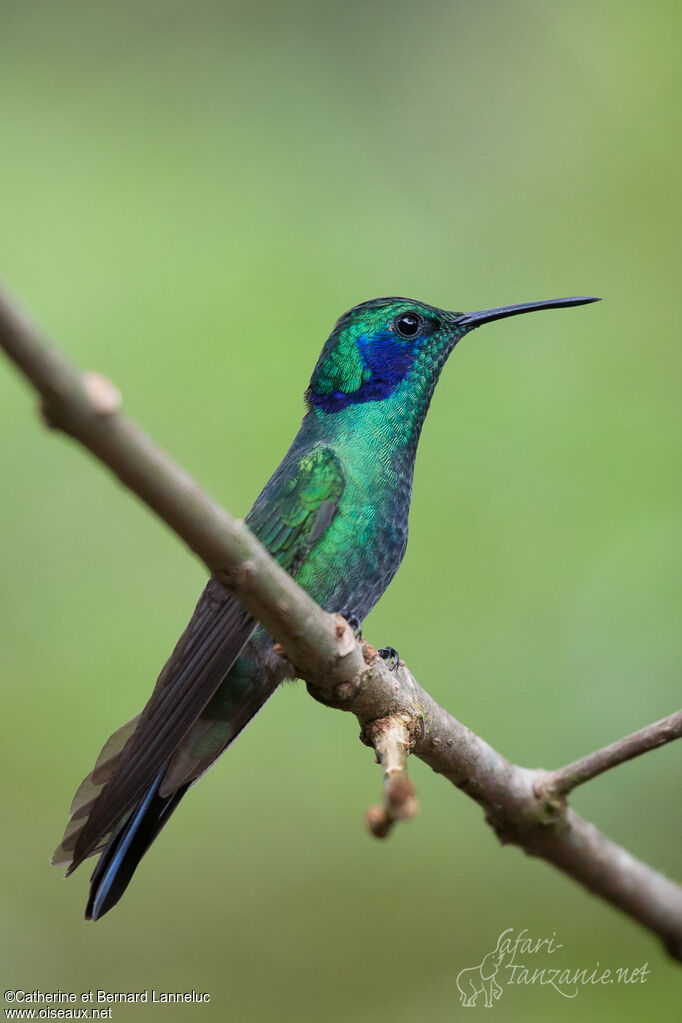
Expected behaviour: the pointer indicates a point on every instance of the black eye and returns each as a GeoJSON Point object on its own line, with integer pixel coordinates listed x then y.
{"type": "Point", "coordinates": [408, 324]}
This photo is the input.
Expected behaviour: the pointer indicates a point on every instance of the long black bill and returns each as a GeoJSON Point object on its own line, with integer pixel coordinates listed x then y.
{"type": "Point", "coordinates": [486, 315]}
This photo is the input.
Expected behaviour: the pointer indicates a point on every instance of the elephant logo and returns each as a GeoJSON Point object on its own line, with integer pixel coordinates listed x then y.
{"type": "Point", "coordinates": [476, 980]}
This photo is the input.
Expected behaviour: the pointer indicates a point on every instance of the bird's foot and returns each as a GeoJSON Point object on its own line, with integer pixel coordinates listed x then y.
{"type": "Point", "coordinates": [387, 653]}
{"type": "Point", "coordinates": [354, 622]}
{"type": "Point", "coordinates": [391, 656]}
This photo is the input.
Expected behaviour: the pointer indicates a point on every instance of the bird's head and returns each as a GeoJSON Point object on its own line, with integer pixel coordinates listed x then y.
{"type": "Point", "coordinates": [377, 345]}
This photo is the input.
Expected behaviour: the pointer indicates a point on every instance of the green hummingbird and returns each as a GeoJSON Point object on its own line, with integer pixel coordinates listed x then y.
{"type": "Point", "coordinates": [334, 515]}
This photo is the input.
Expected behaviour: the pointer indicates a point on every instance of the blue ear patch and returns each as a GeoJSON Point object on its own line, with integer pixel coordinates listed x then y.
{"type": "Point", "coordinates": [388, 357]}
{"type": "Point", "coordinates": [388, 360]}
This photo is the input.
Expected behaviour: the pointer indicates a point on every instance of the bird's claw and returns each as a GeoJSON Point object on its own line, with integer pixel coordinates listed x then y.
{"type": "Point", "coordinates": [387, 653]}
{"type": "Point", "coordinates": [354, 622]}
{"type": "Point", "coordinates": [391, 656]}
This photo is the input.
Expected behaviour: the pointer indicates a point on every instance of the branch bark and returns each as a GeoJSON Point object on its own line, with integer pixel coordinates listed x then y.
{"type": "Point", "coordinates": [567, 778]}
{"type": "Point", "coordinates": [390, 739]}
{"type": "Point", "coordinates": [524, 807]}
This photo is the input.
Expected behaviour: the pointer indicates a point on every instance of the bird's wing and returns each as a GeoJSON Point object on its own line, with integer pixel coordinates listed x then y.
{"type": "Point", "coordinates": [205, 652]}
{"type": "Point", "coordinates": [289, 517]}
{"type": "Point", "coordinates": [289, 523]}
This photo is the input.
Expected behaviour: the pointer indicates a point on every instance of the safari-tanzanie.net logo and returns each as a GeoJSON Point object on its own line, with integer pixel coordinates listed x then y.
{"type": "Point", "coordinates": [519, 959]}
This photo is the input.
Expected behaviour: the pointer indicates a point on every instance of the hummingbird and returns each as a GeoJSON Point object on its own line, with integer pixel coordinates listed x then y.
{"type": "Point", "coordinates": [335, 516]}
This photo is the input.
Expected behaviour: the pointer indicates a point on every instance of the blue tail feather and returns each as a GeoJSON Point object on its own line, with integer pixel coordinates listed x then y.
{"type": "Point", "coordinates": [127, 846]}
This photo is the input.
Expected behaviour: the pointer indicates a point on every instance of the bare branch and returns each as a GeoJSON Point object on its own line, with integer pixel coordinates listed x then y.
{"type": "Point", "coordinates": [519, 804]}
{"type": "Point", "coordinates": [85, 406]}
{"type": "Point", "coordinates": [524, 807]}
{"type": "Point", "coordinates": [566, 778]}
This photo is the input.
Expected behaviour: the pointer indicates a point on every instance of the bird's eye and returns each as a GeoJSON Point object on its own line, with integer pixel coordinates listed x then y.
{"type": "Point", "coordinates": [408, 324]}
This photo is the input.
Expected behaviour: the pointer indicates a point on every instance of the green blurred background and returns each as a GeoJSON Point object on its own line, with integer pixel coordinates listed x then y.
{"type": "Point", "coordinates": [191, 194]}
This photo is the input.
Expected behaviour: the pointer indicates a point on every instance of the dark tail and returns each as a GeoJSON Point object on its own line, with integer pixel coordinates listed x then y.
{"type": "Point", "coordinates": [126, 847]}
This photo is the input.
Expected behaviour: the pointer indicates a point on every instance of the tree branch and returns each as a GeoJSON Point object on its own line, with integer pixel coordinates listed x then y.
{"type": "Point", "coordinates": [527, 808]}
{"type": "Point", "coordinates": [86, 411]}
{"type": "Point", "coordinates": [567, 778]}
